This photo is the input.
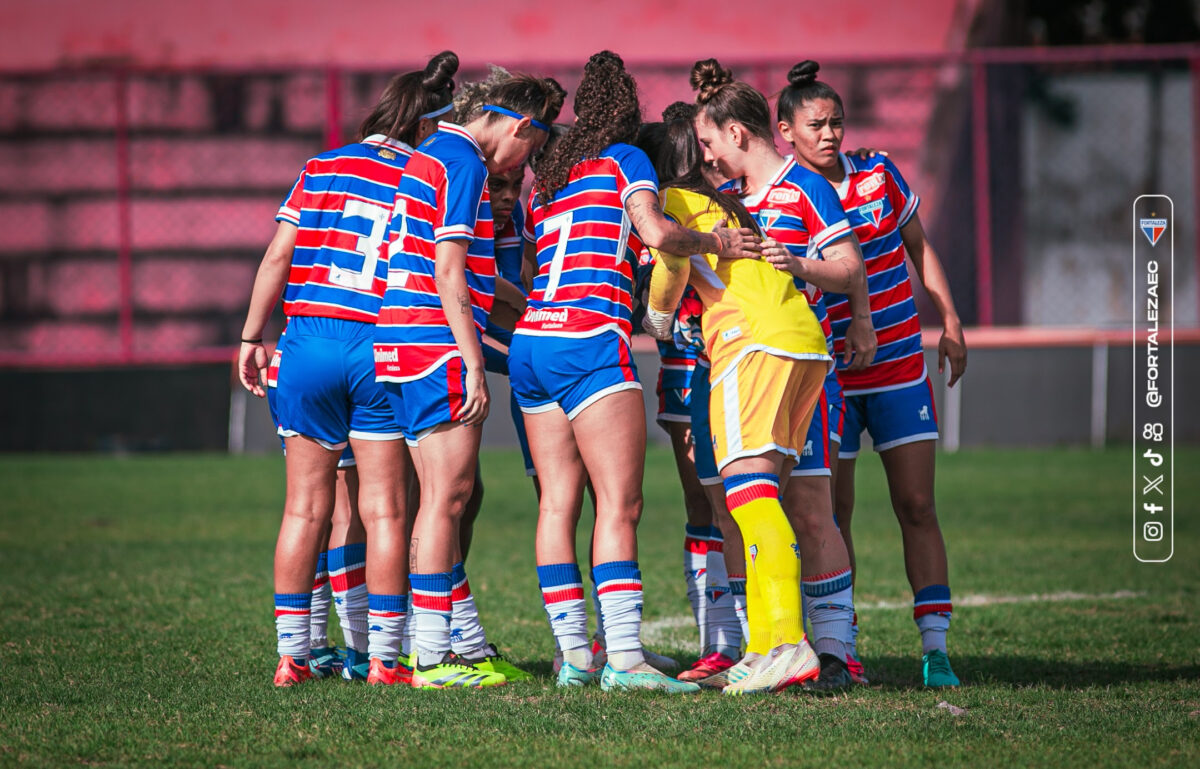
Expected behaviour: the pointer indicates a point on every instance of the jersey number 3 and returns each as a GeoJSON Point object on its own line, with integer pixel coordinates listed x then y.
{"type": "Point", "coordinates": [367, 245]}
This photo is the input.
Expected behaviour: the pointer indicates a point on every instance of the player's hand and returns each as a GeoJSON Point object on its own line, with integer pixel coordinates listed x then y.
{"type": "Point", "coordinates": [252, 367]}
{"type": "Point", "coordinates": [477, 401]}
{"type": "Point", "coordinates": [737, 243]}
{"type": "Point", "coordinates": [866, 153]}
{"type": "Point", "coordinates": [952, 345]}
{"type": "Point", "coordinates": [778, 256]}
{"type": "Point", "coordinates": [860, 344]}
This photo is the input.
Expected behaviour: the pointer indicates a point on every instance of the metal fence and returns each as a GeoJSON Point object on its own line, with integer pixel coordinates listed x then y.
{"type": "Point", "coordinates": [135, 204]}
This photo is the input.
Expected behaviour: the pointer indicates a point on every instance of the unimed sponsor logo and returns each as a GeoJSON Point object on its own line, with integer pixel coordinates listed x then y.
{"type": "Point", "coordinates": [546, 316]}
{"type": "Point", "coordinates": [387, 356]}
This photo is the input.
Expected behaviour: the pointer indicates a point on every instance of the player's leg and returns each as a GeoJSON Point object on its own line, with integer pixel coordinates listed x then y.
{"type": "Point", "coordinates": [348, 569]}
{"type": "Point", "coordinates": [323, 659]}
{"type": "Point", "coordinates": [903, 425]}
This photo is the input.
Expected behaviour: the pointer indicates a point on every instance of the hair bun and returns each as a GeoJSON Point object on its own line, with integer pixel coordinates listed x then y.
{"type": "Point", "coordinates": [606, 59]}
{"type": "Point", "coordinates": [439, 72]}
{"type": "Point", "coordinates": [707, 77]}
{"type": "Point", "coordinates": [680, 110]}
{"type": "Point", "coordinates": [804, 73]}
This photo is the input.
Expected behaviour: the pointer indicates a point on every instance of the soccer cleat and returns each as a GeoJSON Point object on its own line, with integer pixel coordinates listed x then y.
{"type": "Point", "coordinates": [707, 667]}
{"type": "Point", "coordinates": [493, 662]}
{"type": "Point", "coordinates": [290, 672]}
{"type": "Point", "coordinates": [569, 675]}
{"type": "Point", "coordinates": [454, 673]}
{"type": "Point", "coordinates": [643, 677]}
{"type": "Point", "coordinates": [784, 666]}
{"type": "Point", "coordinates": [857, 673]}
{"type": "Point", "coordinates": [935, 666]}
{"type": "Point", "coordinates": [658, 661]}
{"type": "Point", "coordinates": [834, 675]}
{"type": "Point", "coordinates": [741, 671]}
{"type": "Point", "coordinates": [324, 662]}
{"type": "Point", "coordinates": [379, 674]}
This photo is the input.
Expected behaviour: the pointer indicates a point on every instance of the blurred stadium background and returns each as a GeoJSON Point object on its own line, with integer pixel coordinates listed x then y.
{"type": "Point", "coordinates": [144, 149]}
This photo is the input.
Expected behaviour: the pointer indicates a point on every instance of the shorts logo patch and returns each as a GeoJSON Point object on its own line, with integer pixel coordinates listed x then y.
{"type": "Point", "coordinates": [808, 449]}
{"type": "Point", "coordinates": [1153, 229]}
{"type": "Point", "coordinates": [924, 413]}
{"type": "Point", "coordinates": [732, 333]}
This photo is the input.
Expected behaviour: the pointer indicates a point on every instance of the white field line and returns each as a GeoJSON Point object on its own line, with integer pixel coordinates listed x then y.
{"type": "Point", "coordinates": [656, 631]}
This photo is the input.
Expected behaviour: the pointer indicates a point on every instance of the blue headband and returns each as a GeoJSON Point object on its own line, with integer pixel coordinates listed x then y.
{"type": "Point", "coordinates": [438, 112]}
{"type": "Point", "coordinates": [516, 116]}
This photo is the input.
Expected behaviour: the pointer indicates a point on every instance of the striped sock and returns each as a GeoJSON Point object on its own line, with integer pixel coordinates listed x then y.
{"type": "Point", "coordinates": [772, 556]}
{"type": "Point", "coordinates": [724, 629]}
{"type": "Point", "coordinates": [292, 611]}
{"type": "Point", "coordinates": [348, 578]}
{"type": "Point", "coordinates": [830, 599]}
{"type": "Point", "coordinates": [467, 638]}
{"type": "Point", "coordinates": [318, 628]}
{"type": "Point", "coordinates": [737, 589]}
{"type": "Point", "coordinates": [597, 610]}
{"type": "Point", "coordinates": [695, 570]}
{"type": "Point", "coordinates": [619, 585]}
{"type": "Point", "coordinates": [854, 636]}
{"type": "Point", "coordinates": [931, 611]}
{"type": "Point", "coordinates": [562, 594]}
{"type": "Point", "coordinates": [386, 618]}
{"type": "Point", "coordinates": [431, 613]}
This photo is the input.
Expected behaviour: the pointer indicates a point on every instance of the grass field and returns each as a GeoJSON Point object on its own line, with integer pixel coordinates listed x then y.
{"type": "Point", "coordinates": [137, 631]}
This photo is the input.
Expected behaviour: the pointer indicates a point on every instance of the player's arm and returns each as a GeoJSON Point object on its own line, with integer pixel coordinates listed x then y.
{"type": "Point", "coordinates": [450, 273]}
{"type": "Point", "coordinates": [268, 286]}
{"type": "Point", "coordinates": [529, 266]}
{"type": "Point", "coordinates": [929, 270]}
{"type": "Point", "coordinates": [508, 293]}
{"type": "Point", "coordinates": [668, 281]}
{"type": "Point", "coordinates": [660, 233]}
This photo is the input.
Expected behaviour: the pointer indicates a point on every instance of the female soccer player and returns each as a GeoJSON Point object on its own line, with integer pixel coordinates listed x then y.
{"type": "Point", "coordinates": [595, 202]}
{"type": "Point", "coordinates": [799, 210]}
{"type": "Point", "coordinates": [441, 282]}
{"type": "Point", "coordinates": [324, 260]}
{"type": "Point", "coordinates": [892, 398]}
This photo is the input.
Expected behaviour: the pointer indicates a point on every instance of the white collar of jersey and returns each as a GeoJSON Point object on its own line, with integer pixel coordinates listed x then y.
{"type": "Point", "coordinates": [455, 128]}
{"type": "Point", "coordinates": [756, 198]}
{"type": "Point", "coordinates": [843, 189]}
{"type": "Point", "coordinates": [395, 144]}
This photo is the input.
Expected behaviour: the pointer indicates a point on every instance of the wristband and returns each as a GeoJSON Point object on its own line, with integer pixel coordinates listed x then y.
{"type": "Point", "coordinates": [252, 341]}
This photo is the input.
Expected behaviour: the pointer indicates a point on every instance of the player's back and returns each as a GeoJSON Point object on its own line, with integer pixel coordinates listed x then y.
{"type": "Point", "coordinates": [586, 247]}
{"type": "Point", "coordinates": [341, 204]}
{"type": "Point", "coordinates": [748, 304]}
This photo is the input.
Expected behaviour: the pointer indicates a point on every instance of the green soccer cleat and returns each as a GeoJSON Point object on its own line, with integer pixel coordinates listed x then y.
{"type": "Point", "coordinates": [935, 666]}
{"type": "Point", "coordinates": [643, 677]}
{"type": "Point", "coordinates": [569, 675]}
{"type": "Point", "coordinates": [493, 661]}
{"type": "Point", "coordinates": [324, 662]}
{"type": "Point", "coordinates": [356, 665]}
{"type": "Point", "coordinates": [453, 673]}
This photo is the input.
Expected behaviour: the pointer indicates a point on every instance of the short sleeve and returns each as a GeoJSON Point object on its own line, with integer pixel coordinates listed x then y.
{"type": "Point", "coordinates": [527, 226]}
{"type": "Point", "coordinates": [822, 213]}
{"type": "Point", "coordinates": [459, 198]}
{"type": "Point", "coordinates": [634, 171]}
{"type": "Point", "coordinates": [904, 201]}
{"type": "Point", "coordinates": [289, 209]}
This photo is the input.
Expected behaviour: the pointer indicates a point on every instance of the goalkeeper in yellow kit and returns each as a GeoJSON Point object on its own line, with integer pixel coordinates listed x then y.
{"type": "Point", "coordinates": [769, 359]}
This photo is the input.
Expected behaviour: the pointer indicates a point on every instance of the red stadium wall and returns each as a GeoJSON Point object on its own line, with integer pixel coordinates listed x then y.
{"type": "Point", "coordinates": [307, 32]}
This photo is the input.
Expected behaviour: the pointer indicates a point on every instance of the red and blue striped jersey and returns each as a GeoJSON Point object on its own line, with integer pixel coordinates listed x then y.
{"type": "Point", "coordinates": [878, 203]}
{"type": "Point", "coordinates": [510, 255]}
{"type": "Point", "coordinates": [587, 248]}
{"type": "Point", "coordinates": [800, 209]}
{"type": "Point", "coordinates": [443, 196]}
{"type": "Point", "coordinates": [340, 205]}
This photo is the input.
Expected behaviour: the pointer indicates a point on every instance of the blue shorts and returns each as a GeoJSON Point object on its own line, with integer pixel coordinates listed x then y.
{"type": "Point", "coordinates": [345, 460]}
{"type": "Point", "coordinates": [422, 404]}
{"type": "Point", "coordinates": [702, 445]}
{"type": "Point", "coordinates": [494, 360]}
{"type": "Point", "coordinates": [549, 372]}
{"type": "Point", "coordinates": [814, 457]}
{"type": "Point", "coordinates": [325, 384]}
{"type": "Point", "coordinates": [519, 423]}
{"type": "Point", "coordinates": [837, 406]}
{"type": "Point", "coordinates": [893, 417]}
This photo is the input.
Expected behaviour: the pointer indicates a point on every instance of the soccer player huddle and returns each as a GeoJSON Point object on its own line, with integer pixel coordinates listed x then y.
{"type": "Point", "coordinates": [779, 293]}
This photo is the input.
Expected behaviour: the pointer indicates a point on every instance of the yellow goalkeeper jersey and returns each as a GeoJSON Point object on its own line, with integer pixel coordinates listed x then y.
{"type": "Point", "coordinates": [748, 304]}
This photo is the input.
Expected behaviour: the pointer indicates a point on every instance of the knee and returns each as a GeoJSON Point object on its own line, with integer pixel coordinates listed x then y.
{"type": "Point", "coordinates": [917, 511]}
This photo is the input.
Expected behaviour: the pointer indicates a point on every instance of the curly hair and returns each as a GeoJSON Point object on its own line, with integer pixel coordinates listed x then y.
{"type": "Point", "coordinates": [723, 99]}
{"type": "Point", "coordinates": [607, 111]}
{"type": "Point", "coordinates": [410, 95]}
{"type": "Point", "coordinates": [471, 96]}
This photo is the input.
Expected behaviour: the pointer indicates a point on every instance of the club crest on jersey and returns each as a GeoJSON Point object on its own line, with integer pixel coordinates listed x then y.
{"type": "Point", "coordinates": [768, 216]}
{"type": "Point", "coordinates": [1153, 229]}
{"type": "Point", "coordinates": [387, 154]}
{"type": "Point", "coordinates": [870, 184]}
{"type": "Point", "coordinates": [783, 196]}
{"type": "Point", "coordinates": [872, 211]}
